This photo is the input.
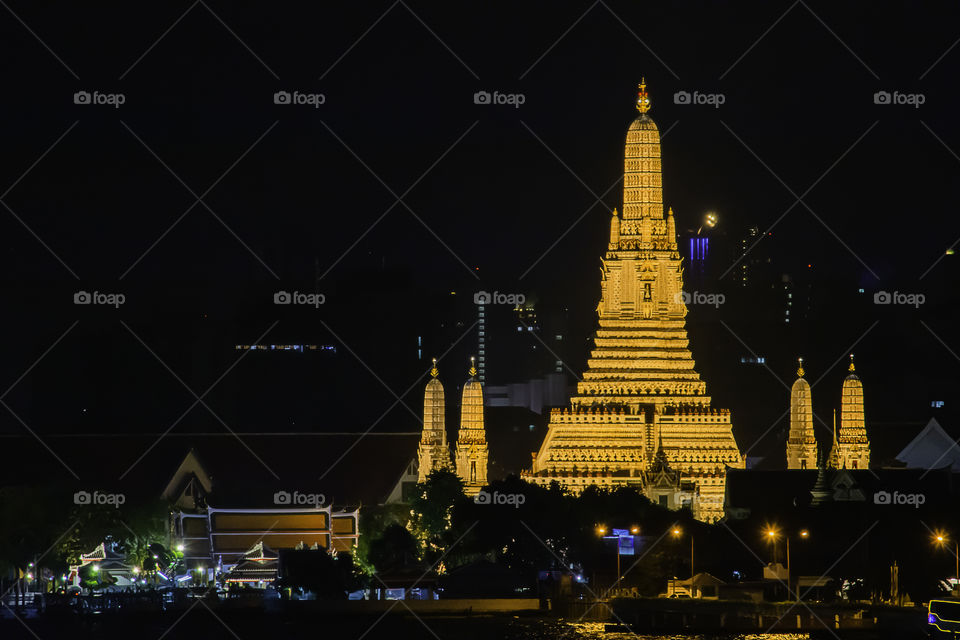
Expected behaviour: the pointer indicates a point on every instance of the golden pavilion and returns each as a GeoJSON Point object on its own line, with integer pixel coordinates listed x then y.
{"type": "Point", "coordinates": [641, 392]}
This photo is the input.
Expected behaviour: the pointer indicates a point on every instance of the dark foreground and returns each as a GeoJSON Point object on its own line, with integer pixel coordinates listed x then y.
{"type": "Point", "coordinates": [398, 623]}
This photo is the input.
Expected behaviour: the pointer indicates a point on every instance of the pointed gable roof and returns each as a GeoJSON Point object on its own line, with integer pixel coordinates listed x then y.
{"type": "Point", "coordinates": [933, 448]}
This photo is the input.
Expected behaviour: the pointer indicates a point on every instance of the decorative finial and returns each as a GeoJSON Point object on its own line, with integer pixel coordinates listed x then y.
{"type": "Point", "coordinates": [643, 100]}
{"type": "Point", "coordinates": [852, 368]}
{"type": "Point", "coordinates": [834, 426]}
{"type": "Point", "coordinates": [434, 372]}
{"type": "Point", "coordinates": [614, 213]}
{"type": "Point", "coordinates": [670, 211]}
{"type": "Point", "coordinates": [473, 369]}
{"type": "Point", "coordinates": [800, 368]}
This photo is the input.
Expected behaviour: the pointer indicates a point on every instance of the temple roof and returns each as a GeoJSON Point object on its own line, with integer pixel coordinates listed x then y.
{"type": "Point", "coordinates": [932, 448]}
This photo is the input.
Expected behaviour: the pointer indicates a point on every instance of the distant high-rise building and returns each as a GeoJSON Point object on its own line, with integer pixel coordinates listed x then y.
{"type": "Point", "coordinates": [802, 442]}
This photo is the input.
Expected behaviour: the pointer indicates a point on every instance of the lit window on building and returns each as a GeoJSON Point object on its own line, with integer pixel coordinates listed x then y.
{"type": "Point", "coordinates": [937, 404]}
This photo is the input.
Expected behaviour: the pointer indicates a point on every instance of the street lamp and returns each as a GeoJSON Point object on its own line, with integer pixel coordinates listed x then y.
{"type": "Point", "coordinates": [941, 539]}
{"type": "Point", "coordinates": [678, 533]}
{"type": "Point", "coordinates": [602, 532]}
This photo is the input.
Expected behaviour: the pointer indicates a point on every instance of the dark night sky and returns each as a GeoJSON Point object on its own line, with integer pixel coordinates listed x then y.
{"type": "Point", "coordinates": [493, 187]}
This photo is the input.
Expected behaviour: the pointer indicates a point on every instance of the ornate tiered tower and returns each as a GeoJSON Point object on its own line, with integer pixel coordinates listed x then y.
{"type": "Point", "coordinates": [433, 453]}
{"type": "Point", "coordinates": [471, 456]}
{"type": "Point", "coordinates": [801, 443]}
{"type": "Point", "coordinates": [640, 384]}
{"type": "Point", "coordinates": [852, 448]}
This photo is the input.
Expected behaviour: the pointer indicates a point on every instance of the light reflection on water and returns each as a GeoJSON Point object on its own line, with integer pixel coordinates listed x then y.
{"type": "Point", "coordinates": [595, 631]}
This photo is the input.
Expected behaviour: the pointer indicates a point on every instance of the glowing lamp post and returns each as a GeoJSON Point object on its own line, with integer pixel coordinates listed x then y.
{"type": "Point", "coordinates": [677, 533]}
{"type": "Point", "coordinates": [942, 540]}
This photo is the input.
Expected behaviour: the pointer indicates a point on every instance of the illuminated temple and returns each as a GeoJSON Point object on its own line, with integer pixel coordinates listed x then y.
{"type": "Point", "coordinates": [641, 405]}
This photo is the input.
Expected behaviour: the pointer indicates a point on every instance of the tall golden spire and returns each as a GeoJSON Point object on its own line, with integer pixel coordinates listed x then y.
{"type": "Point", "coordinates": [800, 367]}
{"type": "Point", "coordinates": [473, 369]}
{"type": "Point", "coordinates": [643, 100]}
{"type": "Point", "coordinates": [434, 372]}
{"type": "Point", "coordinates": [852, 368]}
